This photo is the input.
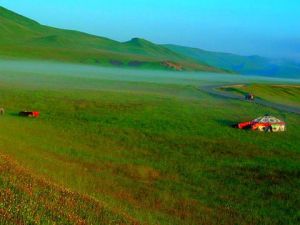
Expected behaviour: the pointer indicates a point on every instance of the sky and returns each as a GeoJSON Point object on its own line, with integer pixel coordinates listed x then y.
{"type": "Point", "coordinates": [263, 27]}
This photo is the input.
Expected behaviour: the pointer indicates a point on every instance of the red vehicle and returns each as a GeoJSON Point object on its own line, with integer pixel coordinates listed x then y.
{"type": "Point", "coordinates": [265, 123]}
{"type": "Point", "coordinates": [34, 114]}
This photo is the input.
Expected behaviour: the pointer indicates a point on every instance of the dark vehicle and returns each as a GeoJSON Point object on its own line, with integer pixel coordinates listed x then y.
{"type": "Point", "coordinates": [34, 114]}
{"type": "Point", "coordinates": [249, 97]}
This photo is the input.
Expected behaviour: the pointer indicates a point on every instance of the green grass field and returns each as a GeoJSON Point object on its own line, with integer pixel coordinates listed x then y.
{"type": "Point", "coordinates": [28, 199]}
{"type": "Point", "coordinates": [139, 148]}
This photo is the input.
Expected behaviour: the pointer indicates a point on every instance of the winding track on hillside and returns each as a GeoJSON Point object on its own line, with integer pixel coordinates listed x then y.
{"type": "Point", "coordinates": [213, 90]}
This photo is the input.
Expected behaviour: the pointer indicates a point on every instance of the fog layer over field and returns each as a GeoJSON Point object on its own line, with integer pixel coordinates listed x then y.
{"type": "Point", "coordinates": [77, 76]}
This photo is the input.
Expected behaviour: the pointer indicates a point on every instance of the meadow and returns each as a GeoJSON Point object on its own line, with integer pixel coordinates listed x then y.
{"type": "Point", "coordinates": [140, 147]}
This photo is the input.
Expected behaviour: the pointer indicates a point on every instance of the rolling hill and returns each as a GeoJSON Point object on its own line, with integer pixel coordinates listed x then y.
{"type": "Point", "coordinates": [22, 37]}
{"type": "Point", "coordinates": [248, 65]}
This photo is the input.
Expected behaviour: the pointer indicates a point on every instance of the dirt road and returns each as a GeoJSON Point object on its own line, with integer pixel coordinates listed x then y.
{"type": "Point", "coordinates": [213, 90]}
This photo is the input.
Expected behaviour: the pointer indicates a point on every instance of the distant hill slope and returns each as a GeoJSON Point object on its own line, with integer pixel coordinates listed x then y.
{"type": "Point", "coordinates": [249, 65]}
{"type": "Point", "coordinates": [25, 38]}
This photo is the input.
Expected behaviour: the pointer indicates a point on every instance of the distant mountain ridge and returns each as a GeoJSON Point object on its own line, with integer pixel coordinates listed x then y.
{"type": "Point", "coordinates": [21, 37]}
{"type": "Point", "coordinates": [248, 65]}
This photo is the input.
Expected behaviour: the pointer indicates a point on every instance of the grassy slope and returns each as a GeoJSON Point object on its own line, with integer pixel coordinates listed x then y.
{"type": "Point", "coordinates": [162, 153]}
{"type": "Point", "coordinates": [27, 199]}
{"type": "Point", "coordinates": [241, 64]}
{"type": "Point", "coordinates": [22, 37]}
{"type": "Point", "coordinates": [283, 94]}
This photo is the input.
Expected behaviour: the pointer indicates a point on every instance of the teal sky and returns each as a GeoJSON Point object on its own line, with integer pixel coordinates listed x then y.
{"type": "Point", "coordinates": [264, 27]}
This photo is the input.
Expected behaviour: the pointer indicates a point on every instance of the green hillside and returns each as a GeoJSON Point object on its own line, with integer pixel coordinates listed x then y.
{"type": "Point", "coordinates": [27, 197]}
{"type": "Point", "coordinates": [249, 65]}
{"type": "Point", "coordinates": [21, 37]}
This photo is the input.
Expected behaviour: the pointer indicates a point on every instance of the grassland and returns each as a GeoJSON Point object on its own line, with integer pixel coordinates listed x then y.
{"type": "Point", "coordinates": [283, 94]}
{"type": "Point", "coordinates": [28, 199]}
{"type": "Point", "coordinates": [149, 149]}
